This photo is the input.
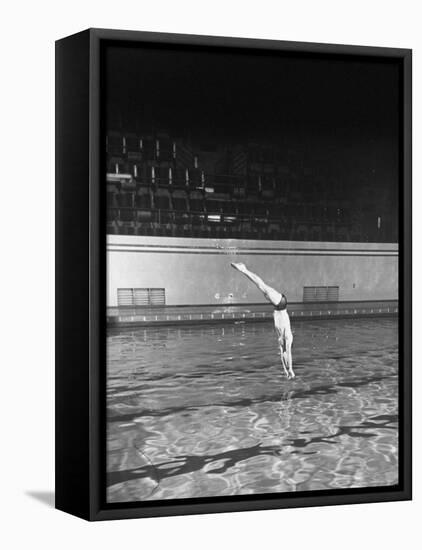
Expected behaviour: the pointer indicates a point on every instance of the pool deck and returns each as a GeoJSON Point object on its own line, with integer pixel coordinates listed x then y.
{"type": "Point", "coordinates": [175, 315]}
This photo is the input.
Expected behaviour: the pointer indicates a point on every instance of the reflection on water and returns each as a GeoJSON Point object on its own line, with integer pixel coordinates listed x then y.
{"type": "Point", "coordinates": [207, 411]}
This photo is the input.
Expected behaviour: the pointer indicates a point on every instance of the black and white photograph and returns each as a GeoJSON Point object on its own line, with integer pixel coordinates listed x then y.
{"type": "Point", "coordinates": [252, 246]}
{"type": "Point", "coordinates": [208, 304]}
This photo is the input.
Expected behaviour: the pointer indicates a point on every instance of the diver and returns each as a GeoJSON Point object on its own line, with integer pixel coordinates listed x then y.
{"type": "Point", "coordinates": [281, 317]}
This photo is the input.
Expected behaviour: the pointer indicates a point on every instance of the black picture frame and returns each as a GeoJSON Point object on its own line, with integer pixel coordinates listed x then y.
{"type": "Point", "coordinates": [81, 272]}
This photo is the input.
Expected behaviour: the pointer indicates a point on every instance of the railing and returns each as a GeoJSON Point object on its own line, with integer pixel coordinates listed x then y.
{"type": "Point", "coordinates": [172, 222]}
{"type": "Point", "coordinates": [192, 179]}
{"type": "Point", "coordinates": [224, 214]}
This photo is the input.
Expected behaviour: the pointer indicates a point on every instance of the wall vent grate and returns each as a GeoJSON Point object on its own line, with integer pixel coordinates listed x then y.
{"type": "Point", "coordinates": [141, 297]}
{"type": "Point", "coordinates": [320, 293]}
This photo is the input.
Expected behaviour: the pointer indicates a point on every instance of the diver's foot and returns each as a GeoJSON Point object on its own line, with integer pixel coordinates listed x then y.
{"type": "Point", "coordinates": [239, 266]}
{"type": "Point", "coordinates": [289, 373]}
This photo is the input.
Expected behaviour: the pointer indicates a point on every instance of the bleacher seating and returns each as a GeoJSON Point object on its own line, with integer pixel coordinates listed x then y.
{"type": "Point", "coordinates": [157, 185]}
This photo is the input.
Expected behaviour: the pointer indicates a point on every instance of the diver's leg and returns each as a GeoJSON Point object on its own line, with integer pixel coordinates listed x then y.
{"type": "Point", "coordinates": [281, 337]}
{"type": "Point", "coordinates": [282, 346]}
{"type": "Point", "coordinates": [289, 358]}
{"type": "Point", "coordinates": [270, 293]}
{"type": "Point", "coordinates": [283, 356]}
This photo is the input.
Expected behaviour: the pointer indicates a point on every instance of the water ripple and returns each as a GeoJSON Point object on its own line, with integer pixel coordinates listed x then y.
{"type": "Point", "coordinates": [188, 415]}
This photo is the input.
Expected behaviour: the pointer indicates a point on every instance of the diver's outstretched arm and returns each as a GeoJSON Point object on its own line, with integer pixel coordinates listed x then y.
{"type": "Point", "coordinates": [270, 293]}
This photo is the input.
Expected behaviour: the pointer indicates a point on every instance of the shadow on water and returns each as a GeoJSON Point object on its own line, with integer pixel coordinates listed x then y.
{"type": "Point", "coordinates": [326, 389]}
{"type": "Point", "coordinates": [45, 497]}
{"type": "Point", "coordinates": [215, 373]}
{"type": "Point", "coordinates": [226, 386]}
{"type": "Point", "coordinates": [186, 464]}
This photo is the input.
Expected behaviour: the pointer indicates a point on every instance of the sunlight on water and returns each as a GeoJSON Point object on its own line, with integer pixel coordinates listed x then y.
{"type": "Point", "coordinates": [206, 411]}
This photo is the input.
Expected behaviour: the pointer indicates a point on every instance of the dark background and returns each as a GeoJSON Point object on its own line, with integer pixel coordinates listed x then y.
{"type": "Point", "coordinates": [339, 116]}
{"type": "Point", "coordinates": [346, 106]}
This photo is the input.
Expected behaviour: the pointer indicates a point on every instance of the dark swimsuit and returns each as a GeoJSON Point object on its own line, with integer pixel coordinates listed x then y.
{"type": "Point", "coordinates": [282, 305]}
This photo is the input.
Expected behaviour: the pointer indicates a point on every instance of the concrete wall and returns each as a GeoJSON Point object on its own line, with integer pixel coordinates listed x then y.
{"type": "Point", "coordinates": [197, 271]}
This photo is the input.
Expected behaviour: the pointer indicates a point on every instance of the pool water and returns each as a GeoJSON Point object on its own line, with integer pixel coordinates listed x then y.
{"type": "Point", "coordinates": [207, 411]}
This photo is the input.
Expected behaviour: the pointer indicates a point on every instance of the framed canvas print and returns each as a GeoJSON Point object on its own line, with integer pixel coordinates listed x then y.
{"type": "Point", "coordinates": [233, 274]}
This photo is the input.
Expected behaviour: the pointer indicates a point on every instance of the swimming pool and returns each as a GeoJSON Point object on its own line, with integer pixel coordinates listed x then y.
{"type": "Point", "coordinates": [206, 411]}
